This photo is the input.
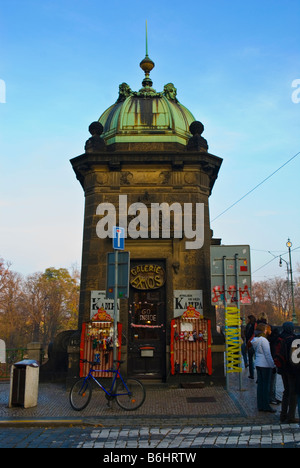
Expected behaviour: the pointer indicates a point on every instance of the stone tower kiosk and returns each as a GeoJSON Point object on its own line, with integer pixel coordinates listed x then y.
{"type": "Point", "coordinates": [147, 149]}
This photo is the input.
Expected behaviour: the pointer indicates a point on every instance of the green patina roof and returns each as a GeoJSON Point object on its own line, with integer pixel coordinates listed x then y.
{"type": "Point", "coordinates": [146, 115]}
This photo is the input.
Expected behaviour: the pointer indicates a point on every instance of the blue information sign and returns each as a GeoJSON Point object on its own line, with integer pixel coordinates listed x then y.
{"type": "Point", "coordinates": [118, 238]}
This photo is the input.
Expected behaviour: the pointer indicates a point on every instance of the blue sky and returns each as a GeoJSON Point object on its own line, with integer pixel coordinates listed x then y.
{"type": "Point", "coordinates": [233, 64]}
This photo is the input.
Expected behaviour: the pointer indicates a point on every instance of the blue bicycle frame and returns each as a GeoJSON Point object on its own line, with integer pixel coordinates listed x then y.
{"type": "Point", "coordinates": [111, 392]}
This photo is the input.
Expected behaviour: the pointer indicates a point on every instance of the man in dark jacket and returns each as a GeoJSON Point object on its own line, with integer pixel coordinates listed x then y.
{"type": "Point", "coordinates": [297, 370]}
{"type": "Point", "coordinates": [289, 397]}
{"type": "Point", "coordinates": [249, 334]}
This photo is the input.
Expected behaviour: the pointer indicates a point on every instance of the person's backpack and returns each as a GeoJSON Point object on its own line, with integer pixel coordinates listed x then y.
{"type": "Point", "coordinates": [280, 354]}
{"type": "Point", "coordinates": [295, 353]}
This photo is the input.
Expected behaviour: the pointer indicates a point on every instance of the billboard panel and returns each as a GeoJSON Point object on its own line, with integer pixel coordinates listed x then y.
{"type": "Point", "coordinates": [230, 274]}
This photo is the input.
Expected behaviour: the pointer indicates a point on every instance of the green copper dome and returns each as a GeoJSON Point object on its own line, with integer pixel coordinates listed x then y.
{"type": "Point", "coordinates": [146, 116]}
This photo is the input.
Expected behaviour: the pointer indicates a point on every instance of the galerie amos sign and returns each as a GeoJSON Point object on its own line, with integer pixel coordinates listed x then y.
{"type": "Point", "coordinates": [147, 276]}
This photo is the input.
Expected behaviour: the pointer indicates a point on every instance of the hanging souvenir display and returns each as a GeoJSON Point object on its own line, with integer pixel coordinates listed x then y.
{"type": "Point", "coordinates": [191, 343]}
{"type": "Point", "coordinates": [97, 343]}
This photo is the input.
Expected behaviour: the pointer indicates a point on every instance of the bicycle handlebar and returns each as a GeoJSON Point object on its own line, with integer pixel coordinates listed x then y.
{"type": "Point", "coordinates": [92, 363]}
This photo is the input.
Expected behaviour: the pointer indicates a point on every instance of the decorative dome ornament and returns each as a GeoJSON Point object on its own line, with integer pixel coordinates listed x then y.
{"type": "Point", "coordinates": [147, 65]}
{"type": "Point", "coordinates": [95, 143]}
{"type": "Point", "coordinates": [146, 116]}
{"type": "Point", "coordinates": [197, 142]}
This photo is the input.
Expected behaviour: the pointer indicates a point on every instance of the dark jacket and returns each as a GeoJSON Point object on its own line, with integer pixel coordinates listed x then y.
{"type": "Point", "coordinates": [249, 330]}
{"type": "Point", "coordinates": [273, 340]}
{"type": "Point", "coordinates": [297, 373]}
{"type": "Point", "coordinates": [288, 335]}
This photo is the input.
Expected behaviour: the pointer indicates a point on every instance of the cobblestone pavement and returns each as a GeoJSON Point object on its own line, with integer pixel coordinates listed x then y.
{"type": "Point", "coordinates": [172, 419]}
{"type": "Point", "coordinates": [173, 439]}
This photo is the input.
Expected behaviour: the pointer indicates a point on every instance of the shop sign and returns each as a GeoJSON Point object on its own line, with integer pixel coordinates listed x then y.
{"type": "Point", "coordinates": [147, 276]}
{"type": "Point", "coordinates": [146, 317]}
{"type": "Point", "coordinates": [100, 304]}
{"type": "Point", "coordinates": [184, 300]}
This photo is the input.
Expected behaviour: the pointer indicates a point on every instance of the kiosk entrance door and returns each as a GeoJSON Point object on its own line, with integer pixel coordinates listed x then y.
{"type": "Point", "coordinates": [147, 326]}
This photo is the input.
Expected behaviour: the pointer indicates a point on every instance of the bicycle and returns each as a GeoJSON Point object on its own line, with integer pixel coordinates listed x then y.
{"type": "Point", "coordinates": [129, 395]}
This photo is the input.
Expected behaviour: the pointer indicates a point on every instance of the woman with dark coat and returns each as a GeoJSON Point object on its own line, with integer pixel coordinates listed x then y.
{"type": "Point", "coordinates": [289, 397]}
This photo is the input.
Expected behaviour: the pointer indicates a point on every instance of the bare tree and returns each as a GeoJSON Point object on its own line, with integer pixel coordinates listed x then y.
{"type": "Point", "coordinates": [39, 307]}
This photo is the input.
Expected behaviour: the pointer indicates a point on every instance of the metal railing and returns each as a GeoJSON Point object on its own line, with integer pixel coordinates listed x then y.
{"type": "Point", "coordinates": [12, 355]}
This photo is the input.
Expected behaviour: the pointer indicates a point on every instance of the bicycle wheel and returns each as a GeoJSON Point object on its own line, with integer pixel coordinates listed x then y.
{"type": "Point", "coordinates": [80, 394]}
{"type": "Point", "coordinates": [132, 398]}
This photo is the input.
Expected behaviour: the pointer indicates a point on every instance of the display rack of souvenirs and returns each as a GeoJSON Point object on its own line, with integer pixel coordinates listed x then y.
{"type": "Point", "coordinates": [97, 343]}
{"type": "Point", "coordinates": [191, 343]}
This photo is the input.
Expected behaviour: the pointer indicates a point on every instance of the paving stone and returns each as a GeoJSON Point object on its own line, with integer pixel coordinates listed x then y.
{"type": "Point", "coordinates": [165, 421]}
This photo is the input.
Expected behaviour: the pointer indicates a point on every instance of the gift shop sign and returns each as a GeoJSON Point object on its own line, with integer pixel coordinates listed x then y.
{"type": "Point", "coordinates": [148, 276]}
{"type": "Point", "coordinates": [183, 299]}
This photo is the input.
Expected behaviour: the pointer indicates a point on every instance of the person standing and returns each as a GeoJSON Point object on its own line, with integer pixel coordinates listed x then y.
{"type": "Point", "coordinates": [244, 350]}
{"type": "Point", "coordinates": [264, 367]}
{"type": "Point", "coordinates": [289, 397]}
{"type": "Point", "coordinates": [295, 358]}
{"type": "Point", "coordinates": [298, 392]}
{"type": "Point", "coordinates": [262, 318]}
{"type": "Point", "coordinates": [272, 338]}
{"type": "Point", "coordinates": [249, 334]}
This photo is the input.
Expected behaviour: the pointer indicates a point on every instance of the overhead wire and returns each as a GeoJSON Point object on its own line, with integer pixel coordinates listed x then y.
{"type": "Point", "coordinates": [248, 193]}
{"type": "Point", "coordinates": [274, 258]}
{"type": "Point", "coordinates": [254, 188]}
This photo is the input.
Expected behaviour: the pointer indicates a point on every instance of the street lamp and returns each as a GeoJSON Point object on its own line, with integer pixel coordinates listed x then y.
{"type": "Point", "coordinates": [290, 272]}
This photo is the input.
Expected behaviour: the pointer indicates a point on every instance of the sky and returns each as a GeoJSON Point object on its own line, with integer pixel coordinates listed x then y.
{"type": "Point", "coordinates": [236, 67]}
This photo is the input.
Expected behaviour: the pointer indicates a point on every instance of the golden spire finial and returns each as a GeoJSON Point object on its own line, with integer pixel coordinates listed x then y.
{"type": "Point", "coordinates": [147, 64]}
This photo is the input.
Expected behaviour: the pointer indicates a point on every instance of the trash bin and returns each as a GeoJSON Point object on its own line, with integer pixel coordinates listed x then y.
{"type": "Point", "coordinates": [24, 383]}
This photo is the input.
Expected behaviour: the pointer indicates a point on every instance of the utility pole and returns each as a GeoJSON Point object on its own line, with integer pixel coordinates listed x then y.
{"type": "Point", "coordinates": [289, 245]}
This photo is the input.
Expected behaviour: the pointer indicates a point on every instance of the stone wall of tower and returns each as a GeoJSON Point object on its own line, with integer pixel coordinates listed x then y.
{"type": "Point", "coordinates": [147, 177]}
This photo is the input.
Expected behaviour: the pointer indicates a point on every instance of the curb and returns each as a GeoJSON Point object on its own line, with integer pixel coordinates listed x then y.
{"type": "Point", "coordinates": [41, 422]}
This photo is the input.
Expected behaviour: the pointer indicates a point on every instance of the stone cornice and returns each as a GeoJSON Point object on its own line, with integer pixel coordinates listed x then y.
{"type": "Point", "coordinates": [117, 161]}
